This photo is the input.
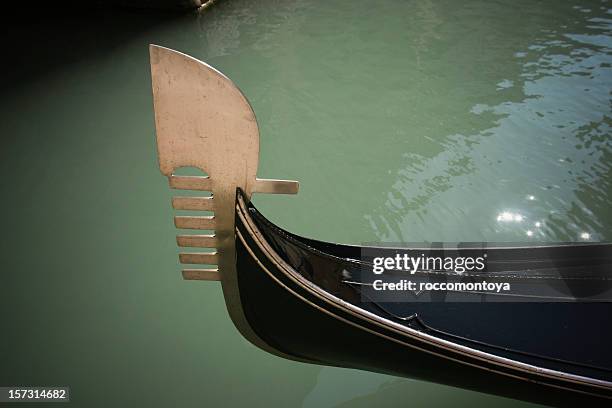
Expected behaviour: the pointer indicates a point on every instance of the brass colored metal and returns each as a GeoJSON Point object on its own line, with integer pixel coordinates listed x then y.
{"type": "Point", "coordinates": [190, 182]}
{"type": "Point", "coordinates": [207, 258]}
{"type": "Point", "coordinates": [198, 241]}
{"type": "Point", "coordinates": [201, 274]}
{"type": "Point", "coordinates": [276, 186]}
{"type": "Point", "coordinates": [205, 222]}
{"type": "Point", "coordinates": [193, 203]}
{"type": "Point", "coordinates": [202, 120]}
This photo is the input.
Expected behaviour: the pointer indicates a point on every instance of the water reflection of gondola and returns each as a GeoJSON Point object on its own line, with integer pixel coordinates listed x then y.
{"type": "Point", "coordinates": [300, 298]}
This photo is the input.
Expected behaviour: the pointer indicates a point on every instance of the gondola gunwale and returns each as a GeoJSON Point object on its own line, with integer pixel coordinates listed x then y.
{"type": "Point", "coordinates": [306, 244]}
{"type": "Point", "coordinates": [540, 373]}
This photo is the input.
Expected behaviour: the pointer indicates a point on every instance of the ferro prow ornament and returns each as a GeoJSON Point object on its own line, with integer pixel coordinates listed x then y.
{"type": "Point", "coordinates": [203, 120]}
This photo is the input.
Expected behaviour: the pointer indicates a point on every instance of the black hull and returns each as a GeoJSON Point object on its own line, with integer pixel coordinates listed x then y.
{"type": "Point", "coordinates": [329, 326]}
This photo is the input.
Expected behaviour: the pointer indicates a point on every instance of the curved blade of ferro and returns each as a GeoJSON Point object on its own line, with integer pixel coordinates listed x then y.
{"type": "Point", "coordinates": [202, 120]}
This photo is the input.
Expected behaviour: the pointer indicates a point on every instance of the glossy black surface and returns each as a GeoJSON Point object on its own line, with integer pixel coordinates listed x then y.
{"type": "Point", "coordinates": [567, 337]}
{"type": "Point", "coordinates": [571, 337]}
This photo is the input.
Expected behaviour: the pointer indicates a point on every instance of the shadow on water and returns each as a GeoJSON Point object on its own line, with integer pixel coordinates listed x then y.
{"type": "Point", "coordinates": [39, 41]}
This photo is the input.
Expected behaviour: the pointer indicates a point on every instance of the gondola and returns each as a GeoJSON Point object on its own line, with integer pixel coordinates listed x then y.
{"type": "Point", "coordinates": [311, 301]}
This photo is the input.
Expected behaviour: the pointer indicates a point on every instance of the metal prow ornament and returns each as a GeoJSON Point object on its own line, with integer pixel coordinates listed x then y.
{"type": "Point", "coordinates": [202, 120]}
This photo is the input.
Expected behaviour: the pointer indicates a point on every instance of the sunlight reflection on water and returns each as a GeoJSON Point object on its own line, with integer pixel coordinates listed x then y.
{"type": "Point", "coordinates": [553, 144]}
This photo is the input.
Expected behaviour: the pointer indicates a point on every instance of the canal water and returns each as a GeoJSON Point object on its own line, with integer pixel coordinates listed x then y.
{"type": "Point", "coordinates": [403, 120]}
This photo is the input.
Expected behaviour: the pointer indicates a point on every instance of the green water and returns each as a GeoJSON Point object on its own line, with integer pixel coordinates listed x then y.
{"type": "Point", "coordinates": [413, 121]}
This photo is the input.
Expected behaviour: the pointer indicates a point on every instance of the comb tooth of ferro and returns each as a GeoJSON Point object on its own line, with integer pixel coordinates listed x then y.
{"type": "Point", "coordinates": [193, 203]}
{"type": "Point", "coordinates": [201, 183]}
{"type": "Point", "coordinates": [198, 241]}
{"type": "Point", "coordinates": [207, 258]}
{"type": "Point", "coordinates": [205, 222]}
{"type": "Point", "coordinates": [211, 274]}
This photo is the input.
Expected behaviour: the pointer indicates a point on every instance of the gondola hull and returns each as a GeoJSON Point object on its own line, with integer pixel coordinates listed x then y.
{"type": "Point", "coordinates": [296, 318]}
